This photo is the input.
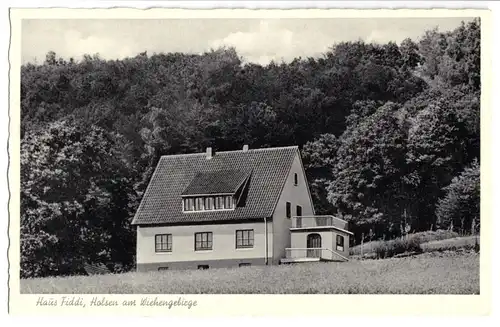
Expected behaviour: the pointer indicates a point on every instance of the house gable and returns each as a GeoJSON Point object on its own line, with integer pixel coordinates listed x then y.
{"type": "Point", "coordinates": [293, 196]}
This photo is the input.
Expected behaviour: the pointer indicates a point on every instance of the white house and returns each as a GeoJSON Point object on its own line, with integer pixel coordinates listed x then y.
{"type": "Point", "coordinates": [233, 208]}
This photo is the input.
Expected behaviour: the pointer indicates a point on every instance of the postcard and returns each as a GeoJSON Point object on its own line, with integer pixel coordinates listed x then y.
{"type": "Point", "coordinates": [263, 162]}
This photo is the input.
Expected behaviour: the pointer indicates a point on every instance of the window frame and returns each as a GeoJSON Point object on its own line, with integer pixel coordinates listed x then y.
{"type": "Point", "coordinates": [228, 202]}
{"type": "Point", "coordinates": [246, 243]}
{"type": "Point", "coordinates": [208, 203]}
{"type": "Point", "coordinates": [219, 203]}
{"type": "Point", "coordinates": [339, 246]}
{"type": "Point", "coordinates": [167, 249]}
{"type": "Point", "coordinates": [288, 210]}
{"type": "Point", "coordinates": [188, 204]}
{"type": "Point", "coordinates": [297, 207]}
{"type": "Point", "coordinates": [199, 204]}
{"type": "Point", "coordinates": [209, 241]}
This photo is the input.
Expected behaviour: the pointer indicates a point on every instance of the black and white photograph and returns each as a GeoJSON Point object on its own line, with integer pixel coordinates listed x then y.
{"type": "Point", "coordinates": [328, 155]}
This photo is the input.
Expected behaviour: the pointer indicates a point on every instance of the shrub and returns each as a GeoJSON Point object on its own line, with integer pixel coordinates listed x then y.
{"type": "Point", "coordinates": [391, 248]}
{"type": "Point", "coordinates": [428, 236]}
{"type": "Point", "coordinates": [379, 246]}
{"type": "Point", "coordinates": [452, 244]}
{"type": "Point", "coordinates": [459, 209]}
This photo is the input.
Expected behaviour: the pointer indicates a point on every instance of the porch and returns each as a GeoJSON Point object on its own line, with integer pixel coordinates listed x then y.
{"type": "Point", "coordinates": [317, 238]}
{"type": "Point", "coordinates": [296, 255]}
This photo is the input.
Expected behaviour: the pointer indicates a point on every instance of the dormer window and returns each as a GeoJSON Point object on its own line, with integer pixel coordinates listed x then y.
{"type": "Point", "coordinates": [208, 203]}
{"type": "Point", "coordinates": [215, 190]}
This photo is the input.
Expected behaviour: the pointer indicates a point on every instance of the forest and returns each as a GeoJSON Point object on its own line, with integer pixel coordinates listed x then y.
{"type": "Point", "coordinates": [389, 135]}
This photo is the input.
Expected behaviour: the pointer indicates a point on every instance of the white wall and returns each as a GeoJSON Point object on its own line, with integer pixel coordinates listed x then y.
{"type": "Point", "coordinates": [296, 195]}
{"type": "Point", "coordinates": [224, 242]}
{"type": "Point", "coordinates": [328, 240]}
{"type": "Point", "coordinates": [299, 239]}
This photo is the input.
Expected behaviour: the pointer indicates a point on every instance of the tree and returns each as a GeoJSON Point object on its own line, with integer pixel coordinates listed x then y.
{"type": "Point", "coordinates": [431, 47]}
{"type": "Point", "coordinates": [409, 53]}
{"type": "Point", "coordinates": [453, 58]}
{"type": "Point", "coordinates": [383, 129]}
{"type": "Point", "coordinates": [319, 160]}
{"type": "Point", "coordinates": [438, 148]}
{"type": "Point", "coordinates": [75, 194]}
{"type": "Point", "coordinates": [366, 187]}
{"type": "Point", "coordinates": [461, 61]}
{"type": "Point", "coordinates": [459, 209]}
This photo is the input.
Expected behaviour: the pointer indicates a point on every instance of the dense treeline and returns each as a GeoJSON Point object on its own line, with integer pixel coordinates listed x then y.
{"type": "Point", "coordinates": [389, 135]}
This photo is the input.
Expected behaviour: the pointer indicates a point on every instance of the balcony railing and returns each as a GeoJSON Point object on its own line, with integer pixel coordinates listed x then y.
{"type": "Point", "coordinates": [313, 253]}
{"type": "Point", "coordinates": [318, 221]}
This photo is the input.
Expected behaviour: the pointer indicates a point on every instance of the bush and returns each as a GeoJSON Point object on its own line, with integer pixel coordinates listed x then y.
{"type": "Point", "coordinates": [421, 237]}
{"type": "Point", "coordinates": [428, 236]}
{"type": "Point", "coordinates": [391, 248]}
{"type": "Point", "coordinates": [459, 208]}
{"type": "Point", "coordinates": [452, 244]}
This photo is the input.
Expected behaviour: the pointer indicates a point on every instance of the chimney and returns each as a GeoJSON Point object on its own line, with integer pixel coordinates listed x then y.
{"type": "Point", "coordinates": [209, 153]}
{"type": "Point", "coordinates": [245, 148]}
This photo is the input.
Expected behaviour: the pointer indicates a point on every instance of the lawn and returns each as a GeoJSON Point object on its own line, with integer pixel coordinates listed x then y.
{"type": "Point", "coordinates": [430, 273]}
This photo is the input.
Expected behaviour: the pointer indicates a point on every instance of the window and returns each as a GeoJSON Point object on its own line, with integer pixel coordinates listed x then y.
{"type": "Point", "coordinates": [244, 238]}
{"type": "Point", "coordinates": [162, 268]}
{"type": "Point", "coordinates": [189, 204]}
{"type": "Point", "coordinates": [295, 179]}
{"type": "Point", "coordinates": [198, 204]}
{"type": "Point", "coordinates": [219, 202]}
{"type": "Point", "coordinates": [228, 202]}
{"type": "Point", "coordinates": [163, 243]}
{"type": "Point", "coordinates": [298, 219]}
{"type": "Point", "coordinates": [340, 243]}
{"type": "Point", "coordinates": [203, 241]}
{"type": "Point", "coordinates": [203, 267]}
{"type": "Point", "coordinates": [209, 203]}
{"type": "Point", "coordinates": [288, 210]}
{"type": "Point", "coordinates": [244, 264]}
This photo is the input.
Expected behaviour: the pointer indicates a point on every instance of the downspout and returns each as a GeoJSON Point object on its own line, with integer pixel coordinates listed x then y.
{"type": "Point", "coordinates": [265, 240]}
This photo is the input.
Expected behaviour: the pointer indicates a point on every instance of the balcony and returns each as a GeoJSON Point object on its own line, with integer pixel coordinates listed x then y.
{"type": "Point", "coordinates": [318, 221]}
{"type": "Point", "coordinates": [295, 255]}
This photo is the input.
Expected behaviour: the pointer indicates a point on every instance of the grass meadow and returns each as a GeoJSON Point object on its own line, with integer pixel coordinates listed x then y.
{"type": "Point", "coordinates": [428, 273]}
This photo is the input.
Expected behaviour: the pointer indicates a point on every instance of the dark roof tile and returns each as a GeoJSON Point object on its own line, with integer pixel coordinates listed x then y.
{"type": "Point", "coordinates": [217, 182]}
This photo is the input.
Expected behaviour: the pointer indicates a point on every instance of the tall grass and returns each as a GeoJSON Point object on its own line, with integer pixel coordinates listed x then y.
{"type": "Point", "coordinates": [425, 274]}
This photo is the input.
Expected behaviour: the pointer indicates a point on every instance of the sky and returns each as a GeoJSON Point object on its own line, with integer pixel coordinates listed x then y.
{"type": "Point", "coordinates": [256, 40]}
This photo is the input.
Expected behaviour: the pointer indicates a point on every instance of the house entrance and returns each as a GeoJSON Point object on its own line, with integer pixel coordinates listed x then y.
{"type": "Point", "coordinates": [313, 246]}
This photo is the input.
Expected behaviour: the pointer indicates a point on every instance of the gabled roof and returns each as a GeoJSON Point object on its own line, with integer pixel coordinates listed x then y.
{"type": "Point", "coordinates": [217, 182]}
{"type": "Point", "coordinates": [175, 175]}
